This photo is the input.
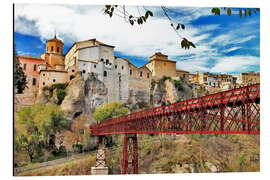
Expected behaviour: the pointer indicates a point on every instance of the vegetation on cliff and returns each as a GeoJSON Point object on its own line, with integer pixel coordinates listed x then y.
{"type": "Point", "coordinates": [19, 78]}
{"type": "Point", "coordinates": [109, 111]}
{"type": "Point", "coordinates": [35, 129]}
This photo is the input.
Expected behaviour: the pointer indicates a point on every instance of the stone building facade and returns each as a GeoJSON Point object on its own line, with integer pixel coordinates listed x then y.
{"type": "Point", "coordinates": [123, 81]}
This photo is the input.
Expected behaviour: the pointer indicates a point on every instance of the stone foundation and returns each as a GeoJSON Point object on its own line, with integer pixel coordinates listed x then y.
{"type": "Point", "coordinates": [99, 170]}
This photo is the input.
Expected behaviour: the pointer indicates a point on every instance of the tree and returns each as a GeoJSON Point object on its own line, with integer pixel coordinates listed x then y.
{"type": "Point", "coordinates": [36, 128]}
{"type": "Point", "coordinates": [144, 14]}
{"type": "Point", "coordinates": [109, 111]}
{"type": "Point", "coordinates": [19, 78]}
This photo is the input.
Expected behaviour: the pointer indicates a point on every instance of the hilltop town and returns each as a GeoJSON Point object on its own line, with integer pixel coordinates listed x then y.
{"type": "Point", "coordinates": [120, 77]}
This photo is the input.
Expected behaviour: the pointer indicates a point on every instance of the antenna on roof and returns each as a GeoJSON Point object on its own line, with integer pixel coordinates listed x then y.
{"type": "Point", "coordinates": [55, 33]}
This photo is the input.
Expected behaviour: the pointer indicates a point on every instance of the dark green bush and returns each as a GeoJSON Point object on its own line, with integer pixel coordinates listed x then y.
{"type": "Point", "coordinates": [178, 84]}
{"type": "Point", "coordinates": [61, 93]}
{"type": "Point", "coordinates": [164, 78]}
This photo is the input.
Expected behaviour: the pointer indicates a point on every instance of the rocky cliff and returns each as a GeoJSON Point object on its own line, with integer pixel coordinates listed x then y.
{"type": "Point", "coordinates": [166, 91]}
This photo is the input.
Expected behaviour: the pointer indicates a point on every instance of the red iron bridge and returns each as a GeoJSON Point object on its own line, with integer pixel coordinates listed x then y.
{"type": "Point", "coordinates": [235, 111]}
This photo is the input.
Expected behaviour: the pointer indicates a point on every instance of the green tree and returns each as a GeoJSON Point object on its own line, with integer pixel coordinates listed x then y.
{"type": "Point", "coordinates": [36, 128]}
{"type": "Point", "coordinates": [19, 78]}
{"type": "Point", "coordinates": [112, 110]}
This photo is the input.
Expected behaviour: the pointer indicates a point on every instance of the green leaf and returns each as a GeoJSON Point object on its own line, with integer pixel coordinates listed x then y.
{"type": "Point", "coordinates": [130, 17]}
{"type": "Point", "coordinates": [240, 13]}
{"type": "Point", "coordinates": [182, 26]}
{"type": "Point", "coordinates": [144, 19]}
{"type": "Point", "coordinates": [108, 6]}
{"type": "Point", "coordinates": [178, 26]}
{"type": "Point", "coordinates": [245, 13]}
{"type": "Point", "coordinates": [131, 22]}
{"type": "Point", "coordinates": [218, 11]}
{"type": "Point", "coordinates": [249, 12]}
{"type": "Point", "coordinates": [229, 12]}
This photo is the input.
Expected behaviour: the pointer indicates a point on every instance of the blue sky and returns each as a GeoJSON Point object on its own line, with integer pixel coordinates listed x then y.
{"type": "Point", "coordinates": [224, 44]}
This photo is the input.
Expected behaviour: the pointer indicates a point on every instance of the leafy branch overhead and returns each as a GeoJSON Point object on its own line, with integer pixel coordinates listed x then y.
{"type": "Point", "coordinates": [144, 14]}
{"type": "Point", "coordinates": [241, 11]}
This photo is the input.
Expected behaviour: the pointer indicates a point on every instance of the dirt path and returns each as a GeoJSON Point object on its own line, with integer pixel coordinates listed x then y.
{"type": "Point", "coordinates": [48, 164]}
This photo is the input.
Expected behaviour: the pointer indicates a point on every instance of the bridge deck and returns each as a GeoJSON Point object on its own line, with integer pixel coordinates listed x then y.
{"type": "Point", "coordinates": [233, 111]}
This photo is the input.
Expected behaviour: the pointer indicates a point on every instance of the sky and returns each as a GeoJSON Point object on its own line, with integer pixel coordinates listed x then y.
{"type": "Point", "coordinates": [224, 44]}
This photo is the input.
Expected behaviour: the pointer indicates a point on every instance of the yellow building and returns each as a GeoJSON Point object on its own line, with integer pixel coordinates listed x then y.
{"type": "Point", "coordinates": [249, 78]}
{"type": "Point", "coordinates": [53, 56]}
{"type": "Point", "coordinates": [160, 66]}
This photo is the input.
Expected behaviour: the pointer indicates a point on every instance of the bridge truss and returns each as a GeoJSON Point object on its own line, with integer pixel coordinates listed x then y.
{"type": "Point", "coordinates": [235, 111]}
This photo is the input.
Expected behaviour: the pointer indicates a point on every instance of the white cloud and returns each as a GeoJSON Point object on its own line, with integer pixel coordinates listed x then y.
{"type": "Point", "coordinates": [231, 49]}
{"type": "Point", "coordinates": [228, 64]}
{"type": "Point", "coordinates": [75, 23]}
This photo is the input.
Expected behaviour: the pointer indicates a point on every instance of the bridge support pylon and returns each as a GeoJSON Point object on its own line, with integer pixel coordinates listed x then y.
{"type": "Point", "coordinates": [130, 154]}
{"type": "Point", "coordinates": [100, 165]}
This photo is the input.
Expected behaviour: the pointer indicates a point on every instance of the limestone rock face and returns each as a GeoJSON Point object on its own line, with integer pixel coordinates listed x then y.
{"type": "Point", "coordinates": [73, 101]}
{"type": "Point", "coordinates": [84, 96]}
{"type": "Point", "coordinates": [165, 91]}
{"type": "Point", "coordinates": [95, 94]}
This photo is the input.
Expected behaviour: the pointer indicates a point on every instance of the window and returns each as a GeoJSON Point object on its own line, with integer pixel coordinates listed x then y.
{"type": "Point", "coordinates": [53, 80]}
{"type": "Point", "coordinates": [130, 72]}
{"type": "Point", "coordinates": [83, 71]}
{"type": "Point", "coordinates": [122, 67]}
{"type": "Point", "coordinates": [107, 61]}
{"type": "Point", "coordinates": [24, 66]}
{"type": "Point", "coordinates": [43, 83]}
{"type": "Point", "coordinates": [57, 49]}
{"type": "Point", "coordinates": [115, 66]}
{"type": "Point", "coordinates": [52, 48]}
{"type": "Point", "coordinates": [148, 75]}
{"type": "Point", "coordinates": [34, 81]}
{"type": "Point", "coordinates": [47, 48]}
{"type": "Point", "coordinates": [102, 59]}
{"type": "Point", "coordinates": [44, 74]}
{"type": "Point", "coordinates": [105, 73]}
{"type": "Point", "coordinates": [140, 73]}
{"type": "Point", "coordinates": [95, 66]}
{"type": "Point", "coordinates": [84, 64]}
{"type": "Point", "coordinates": [35, 67]}
{"type": "Point", "coordinates": [73, 70]}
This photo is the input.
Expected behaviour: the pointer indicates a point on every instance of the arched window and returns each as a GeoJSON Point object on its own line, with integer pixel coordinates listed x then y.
{"type": "Point", "coordinates": [107, 61]}
{"type": "Point", "coordinates": [122, 67]}
{"type": "Point", "coordinates": [130, 72]}
{"type": "Point", "coordinates": [34, 81]}
{"type": "Point", "coordinates": [35, 67]}
{"type": "Point", "coordinates": [148, 75]}
{"type": "Point", "coordinates": [105, 73]}
{"type": "Point", "coordinates": [57, 49]}
{"type": "Point", "coordinates": [140, 73]}
{"type": "Point", "coordinates": [52, 48]}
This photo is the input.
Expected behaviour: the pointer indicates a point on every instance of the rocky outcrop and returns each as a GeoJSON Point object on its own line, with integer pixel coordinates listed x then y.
{"type": "Point", "coordinates": [73, 101]}
{"type": "Point", "coordinates": [84, 96]}
{"type": "Point", "coordinates": [166, 91]}
{"type": "Point", "coordinates": [95, 94]}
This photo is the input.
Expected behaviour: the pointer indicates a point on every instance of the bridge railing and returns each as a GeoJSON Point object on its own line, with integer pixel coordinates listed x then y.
{"type": "Point", "coordinates": [147, 120]}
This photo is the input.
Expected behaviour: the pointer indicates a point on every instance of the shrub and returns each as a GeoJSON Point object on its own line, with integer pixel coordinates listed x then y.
{"type": "Point", "coordinates": [61, 93]}
{"type": "Point", "coordinates": [178, 84]}
{"type": "Point", "coordinates": [164, 78]}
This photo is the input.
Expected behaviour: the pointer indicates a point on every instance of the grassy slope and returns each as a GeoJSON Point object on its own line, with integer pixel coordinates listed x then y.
{"type": "Point", "coordinates": [228, 153]}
